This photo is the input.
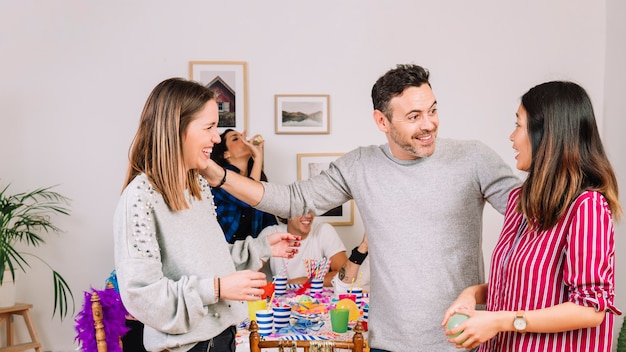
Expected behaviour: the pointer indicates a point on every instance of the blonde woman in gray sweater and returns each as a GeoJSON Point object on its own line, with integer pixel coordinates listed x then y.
{"type": "Point", "coordinates": [175, 271]}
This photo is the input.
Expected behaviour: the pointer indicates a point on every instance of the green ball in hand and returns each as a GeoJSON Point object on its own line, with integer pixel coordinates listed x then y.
{"type": "Point", "coordinates": [455, 321]}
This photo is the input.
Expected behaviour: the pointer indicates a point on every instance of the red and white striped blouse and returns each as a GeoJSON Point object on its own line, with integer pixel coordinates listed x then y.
{"type": "Point", "coordinates": [572, 262]}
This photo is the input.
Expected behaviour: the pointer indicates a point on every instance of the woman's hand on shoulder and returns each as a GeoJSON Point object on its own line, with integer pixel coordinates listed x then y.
{"type": "Point", "coordinates": [214, 173]}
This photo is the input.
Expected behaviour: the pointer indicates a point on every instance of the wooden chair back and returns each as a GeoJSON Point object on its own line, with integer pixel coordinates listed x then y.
{"type": "Point", "coordinates": [355, 345]}
{"type": "Point", "coordinates": [96, 309]}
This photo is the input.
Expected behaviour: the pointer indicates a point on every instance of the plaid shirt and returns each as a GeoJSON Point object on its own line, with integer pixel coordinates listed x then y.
{"type": "Point", "coordinates": [230, 210]}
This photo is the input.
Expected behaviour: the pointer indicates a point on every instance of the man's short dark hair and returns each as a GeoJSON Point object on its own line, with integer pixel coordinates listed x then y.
{"type": "Point", "coordinates": [394, 82]}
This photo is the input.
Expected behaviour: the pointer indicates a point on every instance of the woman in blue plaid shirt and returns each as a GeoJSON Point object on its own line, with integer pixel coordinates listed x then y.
{"type": "Point", "coordinates": [244, 157]}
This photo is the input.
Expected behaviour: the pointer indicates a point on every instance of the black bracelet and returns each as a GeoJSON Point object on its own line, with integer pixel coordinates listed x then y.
{"type": "Point", "coordinates": [223, 179]}
{"type": "Point", "coordinates": [357, 257]}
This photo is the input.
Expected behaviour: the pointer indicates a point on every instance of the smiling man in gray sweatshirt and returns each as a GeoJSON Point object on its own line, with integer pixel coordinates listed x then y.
{"type": "Point", "coordinates": [421, 199]}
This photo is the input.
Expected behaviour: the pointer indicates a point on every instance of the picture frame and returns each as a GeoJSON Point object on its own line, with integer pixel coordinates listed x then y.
{"type": "Point", "coordinates": [311, 164]}
{"type": "Point", "coordinates": [302, 114]}
{"type": "Point", "coordinates": [228, 79]}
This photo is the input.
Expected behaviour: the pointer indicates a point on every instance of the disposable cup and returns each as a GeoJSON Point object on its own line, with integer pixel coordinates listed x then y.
{"type": "Point", "coordinates": [339, 319]}
{"type": "Point", "coordinates": [281, 317]}
{"type": "Point", "coordinates": [351, 297]}
{"type": "Point", "coordinates": [265, 321]}
{"type": "Point", "coordinates": [358, 292]}
{"type": "Point", "coordinates": [317, 285]}
{"type": "Point", "coordinates": [280, 285]}
{"type": "Point", "coordinates": [366, 314]}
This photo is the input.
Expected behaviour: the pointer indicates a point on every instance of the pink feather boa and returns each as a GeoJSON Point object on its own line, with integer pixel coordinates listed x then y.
{"type": "Point", "coordinates": [113, 318]}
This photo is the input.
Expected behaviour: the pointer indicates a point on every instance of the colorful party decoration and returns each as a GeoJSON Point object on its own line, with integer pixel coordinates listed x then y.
{"type": "Point", "coordinates": [351, 306]}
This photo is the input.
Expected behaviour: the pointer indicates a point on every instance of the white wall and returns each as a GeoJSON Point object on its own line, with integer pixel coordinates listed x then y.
{"type": "Point", "coordinates": [75, 75]}
{"type": "Point", "coordinates": [614, 128]}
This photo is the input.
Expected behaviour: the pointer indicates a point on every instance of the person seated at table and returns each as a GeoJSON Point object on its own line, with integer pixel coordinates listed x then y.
{"type": "Point", "coordinates": [318, 240]}
{"type": "Point", "coordinates": [355, 272]}
{"type": "Point", "coordinates": [132, 341]}
{"type": "Point", "coordinates": [234, 152]}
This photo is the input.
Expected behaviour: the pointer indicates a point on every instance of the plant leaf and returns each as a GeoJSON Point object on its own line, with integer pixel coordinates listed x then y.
{"type": "Point", "coordinates": [61, 291]}
{"type": "Point", "coordinates": [24, 219]}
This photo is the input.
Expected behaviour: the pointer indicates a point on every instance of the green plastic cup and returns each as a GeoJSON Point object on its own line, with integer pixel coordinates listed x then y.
{"type": "Point", "coordinates": [339, 319]}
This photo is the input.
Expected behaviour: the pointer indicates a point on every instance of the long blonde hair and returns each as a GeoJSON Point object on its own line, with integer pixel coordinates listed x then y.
{"type": "Point", "coordinates": [157, 146]}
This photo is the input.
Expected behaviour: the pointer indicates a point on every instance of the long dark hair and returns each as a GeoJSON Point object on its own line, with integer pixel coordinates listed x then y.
{"type": "Point", "coordinates": [220, 149]}
{"type": "Point", "coordinates": [567, 153]}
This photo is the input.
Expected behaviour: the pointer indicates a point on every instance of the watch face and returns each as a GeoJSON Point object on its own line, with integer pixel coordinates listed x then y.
{"type": "Point", "coordinates": [519, 323]}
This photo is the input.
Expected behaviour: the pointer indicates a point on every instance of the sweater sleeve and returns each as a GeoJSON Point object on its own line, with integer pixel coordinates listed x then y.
{"type": "Point", "coordinates": [590, 254]}
{"type": "Point", "coordinates": [250, 253]}
{"type": "Point", "coordinates": [182, 303]}
{"type": "Point", "coordinates": [496, 178]}
{"type": "Point", "coordinates": [317, 194]}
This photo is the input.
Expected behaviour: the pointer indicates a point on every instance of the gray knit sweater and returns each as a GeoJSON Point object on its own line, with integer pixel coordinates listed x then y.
{"type": "Point", "coordinates": [166, 262]}
{"type": "Point", "coordinates": [423, 220]}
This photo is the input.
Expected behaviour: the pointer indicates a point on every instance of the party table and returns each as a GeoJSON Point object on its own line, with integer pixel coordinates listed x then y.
{"type": "Point", "coordinates": [310, 318]}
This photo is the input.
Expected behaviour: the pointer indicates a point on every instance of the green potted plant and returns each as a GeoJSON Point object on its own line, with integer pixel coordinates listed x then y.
{"type": "Point", "coordinates": [24, 218]}
{"type": "Point", "coordinates": [621, 338]}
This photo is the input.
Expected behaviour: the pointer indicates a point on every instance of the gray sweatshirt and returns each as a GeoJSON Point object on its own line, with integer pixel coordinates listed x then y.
{"type": "Point", "coordinates": [423, 220]}
{"type": "Point", "coordinates": [166, 263]}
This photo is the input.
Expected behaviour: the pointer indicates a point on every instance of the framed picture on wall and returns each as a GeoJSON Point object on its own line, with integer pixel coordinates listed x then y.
{"type": "Point", "coordinates": [228, 80]}
{"type": "Point", "coordinates": [302, 114]}
{"type": "Point", "coordinates": [312, 164]}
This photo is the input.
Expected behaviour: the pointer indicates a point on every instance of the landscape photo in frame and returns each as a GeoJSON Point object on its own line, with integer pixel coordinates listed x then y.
{"type": "Point", "coordinates": [302, 114]}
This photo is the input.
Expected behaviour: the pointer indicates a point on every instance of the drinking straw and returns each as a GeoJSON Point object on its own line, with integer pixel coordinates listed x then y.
{"type": "Point", "coordinates": [272, 299]}
{"type": "Point", "coordinates": [284, 273]}
{"type": "Point", "coordinates": [326, 267]}
{"type": "Point", "coordinates": [318, 268]}
{"type": "Point", "coordinates": [307, 266]}
{"type": "Point", "coordinates": [351, 284]}
{"type": "Point", "coordinates": [360, 280]}
{"type": "Point", "coordinates": [322, 268]}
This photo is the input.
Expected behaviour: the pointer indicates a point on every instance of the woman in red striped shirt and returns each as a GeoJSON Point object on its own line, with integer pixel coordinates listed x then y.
{"type": "Point", "coordinates": [551, 285]}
